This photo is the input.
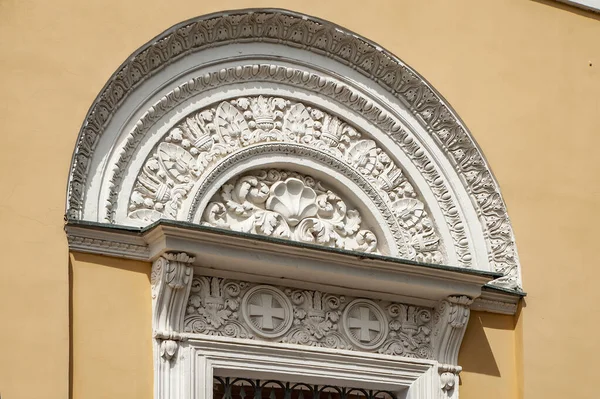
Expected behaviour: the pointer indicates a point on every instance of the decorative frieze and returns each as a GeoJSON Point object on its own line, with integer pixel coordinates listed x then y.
{"type": "Point", "coordinates": [223, 307]}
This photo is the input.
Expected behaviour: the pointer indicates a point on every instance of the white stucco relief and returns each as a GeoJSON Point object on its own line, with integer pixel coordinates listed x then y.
{"type": "Point", "coordinates": [288, 205]}
{"type": "Point", "coordinates": [387, 74]}
{"type": "Point", "coordinates": [454, 224]}
{"type": "Point", "coordinates": [193, 310]}
{"type": "Point", "coordinates": [193, 149]}
{"type": "Point", "coordinates": [275, 124]}
{"type": "Point", "coordinates": [230, 308]}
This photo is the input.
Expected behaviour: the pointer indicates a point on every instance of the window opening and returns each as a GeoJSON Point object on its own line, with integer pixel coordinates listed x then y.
{"type": "Point", "coordinates": [246, 388]}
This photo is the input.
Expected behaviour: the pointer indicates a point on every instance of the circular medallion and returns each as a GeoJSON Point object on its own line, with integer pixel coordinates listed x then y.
{"type": "Point", "coordinates": [267, 311]}
{"type": "Point", "coordinates": [365, 324]}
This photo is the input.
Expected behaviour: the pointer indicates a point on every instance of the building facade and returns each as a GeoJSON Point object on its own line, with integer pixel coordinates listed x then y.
{"type": "Point", "coordinates": [285, 195]}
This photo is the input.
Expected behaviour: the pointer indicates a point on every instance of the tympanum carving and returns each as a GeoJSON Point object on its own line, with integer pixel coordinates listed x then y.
{"type": "Point", "coordinates": [203, 138]}
{"type": "Point", "coordinates": [288, 205]}
{"type": "Point", "coordinates": [290, 30]}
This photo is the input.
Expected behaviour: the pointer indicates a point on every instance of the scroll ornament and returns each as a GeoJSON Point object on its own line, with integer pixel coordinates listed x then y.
{"type": "Point", "coordinates": [222, 307]}
{"type": "Point", "coordinates": [202, 139]}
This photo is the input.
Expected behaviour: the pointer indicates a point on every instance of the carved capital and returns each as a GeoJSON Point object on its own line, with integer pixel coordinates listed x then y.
{"type": "Point", "coordinates": [171, 281]}
{"type": "Point", "coordinates": [451, 318]}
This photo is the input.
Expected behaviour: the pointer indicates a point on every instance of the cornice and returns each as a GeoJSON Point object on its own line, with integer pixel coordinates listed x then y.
{"type": "Point", "coordinates": [496, 300]}
{"type": "Point", "coordinates": [236, 255]}
{"type": "Point", "coordinates": [121, 243]}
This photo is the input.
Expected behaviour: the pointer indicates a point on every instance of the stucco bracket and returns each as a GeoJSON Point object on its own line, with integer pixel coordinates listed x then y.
{"type": "Point", "coordinates": [171, 280]}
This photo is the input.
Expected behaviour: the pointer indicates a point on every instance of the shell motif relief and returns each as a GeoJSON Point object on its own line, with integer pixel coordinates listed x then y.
{"type": "Point", "coordinates": [198, 142]}
{"type": "Point", "coordinates": [288, 205]}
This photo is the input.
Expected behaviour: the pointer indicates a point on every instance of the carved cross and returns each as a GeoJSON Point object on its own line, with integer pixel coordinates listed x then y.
{"type": "Point", "coordinates": [365, 324]}
{"type": "Point", "coordinates": [266, 311]}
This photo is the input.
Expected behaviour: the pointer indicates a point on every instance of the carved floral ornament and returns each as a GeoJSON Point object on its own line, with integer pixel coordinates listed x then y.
{"type": "Point", "coordinates": [296, 207]}
{"type": "Point", "coordinates": [269, 202]}
{"type": "Point", "coordinates": [222, 307]}
{"type": "Point", "coordinates": [186, 160]}
{"type": "Point", "coordinates": [192, 307]}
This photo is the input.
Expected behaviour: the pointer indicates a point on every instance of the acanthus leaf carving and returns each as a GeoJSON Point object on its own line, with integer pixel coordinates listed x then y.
{"type": "Point", "coordinates": [382, 67]}
{"type": "Point", "coordinates": [410, 332]}
{"type": "Point", "coordinates": [237, 309]}
{"type": "Point", "coordinates": [168, 175]}
{"type": "Point", "coordinates": [171, 278]}
{"type": "Point", "coordinates": [450, 322]}
{"type": "Point", "coordinates": [316, 320]}
{"type": "Point", "coordinates": [213, 307]}
{"type": "Point", "coordinates": [288, 205]}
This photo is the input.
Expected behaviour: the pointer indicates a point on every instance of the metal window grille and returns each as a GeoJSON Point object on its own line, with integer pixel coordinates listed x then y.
{"type": "Point", "coordinates": [245, 388]}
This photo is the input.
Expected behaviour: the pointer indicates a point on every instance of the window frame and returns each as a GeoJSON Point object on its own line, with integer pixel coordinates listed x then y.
{"type": "Point", "coordinates": [203, 357]}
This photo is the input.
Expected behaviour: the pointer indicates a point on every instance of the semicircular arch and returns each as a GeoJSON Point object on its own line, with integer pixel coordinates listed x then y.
{"type": "Point", "coordinates": [209, 89]}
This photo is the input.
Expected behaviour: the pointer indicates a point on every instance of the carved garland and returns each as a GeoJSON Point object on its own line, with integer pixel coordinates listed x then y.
{"type": "Point", "coordinates": [312, 35]}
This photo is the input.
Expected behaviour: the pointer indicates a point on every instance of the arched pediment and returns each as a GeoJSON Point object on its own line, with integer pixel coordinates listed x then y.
{"type": "Point", "coordinates": [278, 124]}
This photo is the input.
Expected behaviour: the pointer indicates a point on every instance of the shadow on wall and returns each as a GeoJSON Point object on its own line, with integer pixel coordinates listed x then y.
{"type": "Point", "coordinates": [476, 354]}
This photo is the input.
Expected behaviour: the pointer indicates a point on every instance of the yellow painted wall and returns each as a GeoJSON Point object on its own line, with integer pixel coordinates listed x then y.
{"type": "Point", "coordinates": [517, 71]}
{"type": "Point", "coordinates": [111, 328]}
{"type": "Point", "coordinates": [488, 357]}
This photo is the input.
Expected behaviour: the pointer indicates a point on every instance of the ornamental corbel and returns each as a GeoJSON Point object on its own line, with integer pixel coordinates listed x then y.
{"type": "Point", "coordinates": [171, 281]}
{"type": "Point", "coordinates": [448, 378]}
{"type": "Point", "coordinates": [451, 318]}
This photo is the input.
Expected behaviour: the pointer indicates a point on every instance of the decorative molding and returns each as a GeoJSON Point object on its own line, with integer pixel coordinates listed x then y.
{"type": "Point", "coordinates": [237, 309]}
{"type": "Point", "coordinates": [106, 247]}
{"type": "Point", "coordinates": [487, 305]}
{"type": "Point", "coordinates": [124, 243]}
{"type": "Point", "coordinates": [323, 85]}
{"type": "Point", "coordinates": [310, 34]}
{"type": "Point", "coordinates": [294, 261]}
{"type": "Point", "coordinates": [497, 301]}
{"type": "Point", "coordinates": [223, 315]}
{"type": "Point", "coordinates": [209, 355]}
